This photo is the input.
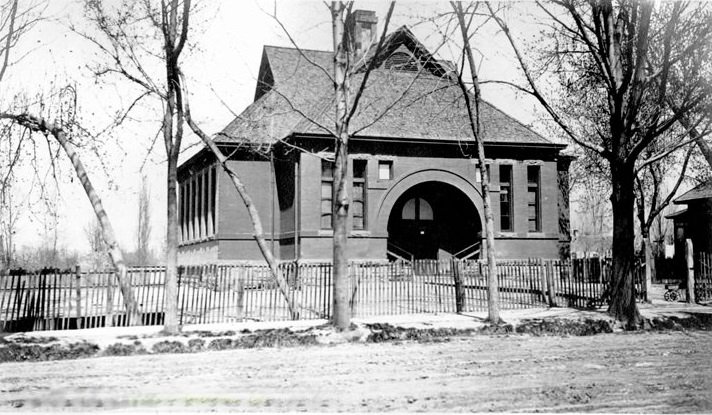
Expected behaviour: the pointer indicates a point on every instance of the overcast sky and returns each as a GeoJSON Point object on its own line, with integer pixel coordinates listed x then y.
{"type": "Point", "coordinates": [221, 69]}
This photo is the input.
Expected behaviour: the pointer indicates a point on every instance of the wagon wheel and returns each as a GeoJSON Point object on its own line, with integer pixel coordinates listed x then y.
{"type": "Point", "coordinates": [671, 295]}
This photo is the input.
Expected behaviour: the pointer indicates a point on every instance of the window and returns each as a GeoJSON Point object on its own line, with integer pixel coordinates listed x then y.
{"type": "Point", "coordinates": [197, 205]}
{"type": "Point", "coordinates": [181, 204]}
{"type": "Point", "coordinates": [417, 209]}
{"type": "Point", "coordinates": [359, 194]}
{"type": "Point", "coordinates": [533, 192]}
{"type": "Point", "coordinates": [401, 61]}
{"type": "Point", "coordinates": [385, 170]}
{"type": "Point", "coordinates": [327, 193]}
{"type": "Point", "coordinates": [505, 198]}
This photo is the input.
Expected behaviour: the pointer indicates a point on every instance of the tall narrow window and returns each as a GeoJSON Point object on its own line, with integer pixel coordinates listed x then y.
{"type": "Point", "coordinates": [327, 193]}
{"type": "Point", "coordinates": [505, 198]}
{"type": "Point", "coordinates": [191, 208]}
{"type": "Point", "coordinates": [213, 192]}
{"type": "Point", "coordinates": [199, 207]}
{"type": "Point", "coordinates": [181, 215]}
{"type": "Point", "coordinates": [359, 194]}
{"type": "Point", "coordinates": [533, 192]}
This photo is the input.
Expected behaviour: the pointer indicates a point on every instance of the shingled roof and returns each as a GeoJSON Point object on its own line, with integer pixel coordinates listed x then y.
{"type": "Point", "coordinates": [295, 95]}
{"type": "Point", "coordinates": [702, 191]}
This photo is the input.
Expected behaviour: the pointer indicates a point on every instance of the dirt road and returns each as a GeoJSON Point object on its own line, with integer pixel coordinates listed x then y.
{"type": "Point", "coordinates": [646, 372]}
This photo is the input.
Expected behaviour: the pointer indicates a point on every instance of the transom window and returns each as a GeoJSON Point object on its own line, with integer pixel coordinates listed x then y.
{"type": "Point", "coordinates": [417, 209]}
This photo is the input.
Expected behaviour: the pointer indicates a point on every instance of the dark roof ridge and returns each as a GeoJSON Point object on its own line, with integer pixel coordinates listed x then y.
{"type": "Point", "coordinates": [297, 48]}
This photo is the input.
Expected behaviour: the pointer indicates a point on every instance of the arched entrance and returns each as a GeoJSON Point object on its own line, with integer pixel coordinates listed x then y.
{"type": "Point", "coordinates": [433, 220]}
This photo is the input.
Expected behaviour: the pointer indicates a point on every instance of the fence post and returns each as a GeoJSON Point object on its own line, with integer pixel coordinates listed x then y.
{"type": "Point", "coordinates": [459, 292]}
{"type": "Point", "coordinates": [542, 277]}
{"type": "Point", "coordinates": [550, 283]}
{"type": "Point", "coordinates": [109, 319]}
{"type": "Point", "coordinates": [77, 277]}
{"type": "Point", "coordinates": [689, 255]}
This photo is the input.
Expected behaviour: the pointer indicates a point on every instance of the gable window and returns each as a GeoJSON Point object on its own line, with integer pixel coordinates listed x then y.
{"type": "Point", "coordinates": [327, 193]}
{"type": "Point", "coordinates": [417, 209]}
{"type": "Point", "coordinates": [505, 198]}
{"type": "Point", "coordinates": [385, 169]}
{"type": "Point", "coordinates": [359, 194]}
{"type": "Point", "coordinates": [401, 61]}
{"type": "Point", "coordinates": [533, 198]}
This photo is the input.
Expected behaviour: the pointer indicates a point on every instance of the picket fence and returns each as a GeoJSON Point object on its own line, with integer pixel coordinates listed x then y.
{"type": "Point", "coordinates": [703, 277]}
{"type": "Point", "coordinates": [49, 300]}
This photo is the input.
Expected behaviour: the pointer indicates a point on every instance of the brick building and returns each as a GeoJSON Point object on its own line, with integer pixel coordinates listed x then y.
{"type": "Point", "coordinates": [415, 188]}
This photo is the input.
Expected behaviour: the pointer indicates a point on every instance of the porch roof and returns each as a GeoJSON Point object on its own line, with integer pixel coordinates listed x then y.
{"type": "Point", "coordinates": [702, 191]}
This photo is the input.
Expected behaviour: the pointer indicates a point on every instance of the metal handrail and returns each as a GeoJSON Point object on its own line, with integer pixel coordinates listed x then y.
{"type": "Point", "coordinates": [478, 244]}
{"type": "Point", "coordinates": [390, 247]}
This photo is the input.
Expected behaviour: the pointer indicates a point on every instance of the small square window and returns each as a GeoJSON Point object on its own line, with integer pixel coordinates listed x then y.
{"type": "Point", "coordinates": [385, 170]}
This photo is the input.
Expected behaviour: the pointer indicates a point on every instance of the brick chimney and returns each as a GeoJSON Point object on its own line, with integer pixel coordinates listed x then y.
{"type": "Point", "coordinates": [362, 24]}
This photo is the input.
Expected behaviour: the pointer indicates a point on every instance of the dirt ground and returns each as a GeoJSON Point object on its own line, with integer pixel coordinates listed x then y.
{"type": "Point", "coordinates": [637, 372]}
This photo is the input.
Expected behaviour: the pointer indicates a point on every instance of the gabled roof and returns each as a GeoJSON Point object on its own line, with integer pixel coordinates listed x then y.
{"type": "Point", "coordinates": [702, 191]}
{"type": "Point", "coordinates": [295, 95]}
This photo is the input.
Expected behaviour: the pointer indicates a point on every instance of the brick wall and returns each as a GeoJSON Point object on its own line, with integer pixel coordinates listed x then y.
{"type": "Point", "coordinates": [235, 229]}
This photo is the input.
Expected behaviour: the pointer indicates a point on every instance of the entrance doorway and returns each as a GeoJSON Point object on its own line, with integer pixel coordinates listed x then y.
{"type": "Point", "coordinates": [433, 220]}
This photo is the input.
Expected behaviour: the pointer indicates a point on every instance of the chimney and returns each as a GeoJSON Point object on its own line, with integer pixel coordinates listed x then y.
{"type": "Point", "coordinates": [362, 26]}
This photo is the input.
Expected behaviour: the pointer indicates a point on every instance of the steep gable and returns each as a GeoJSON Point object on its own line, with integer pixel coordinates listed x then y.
{"type": "Point", "coordinates": [400, 42]}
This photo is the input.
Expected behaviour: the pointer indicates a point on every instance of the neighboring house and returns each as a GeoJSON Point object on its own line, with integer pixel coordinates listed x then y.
{"type": "Point", "coordinates": [694, 222]}
{"type": "Point", "coordinates": [415, 188]}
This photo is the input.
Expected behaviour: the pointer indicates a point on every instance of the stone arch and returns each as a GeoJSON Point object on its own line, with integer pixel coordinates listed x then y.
{"type": "Point", "coordinates": [422, 176]}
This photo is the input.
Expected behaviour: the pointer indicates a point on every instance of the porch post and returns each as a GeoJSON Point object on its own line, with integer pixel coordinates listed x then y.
{"type": "Point", "coordinates": [689, 255]}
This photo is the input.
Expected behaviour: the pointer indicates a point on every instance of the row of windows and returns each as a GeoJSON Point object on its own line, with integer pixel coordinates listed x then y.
{"type": "Point", "coordinates": [359, 201]}
{"type": "Point", "coordinates": [506, 214]}
{"type": "Point", "coordinates": [196, 201]}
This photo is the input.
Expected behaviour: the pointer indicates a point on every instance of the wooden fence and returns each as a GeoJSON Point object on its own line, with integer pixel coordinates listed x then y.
{"type": "Point", "coordinates": [232, 293]}
{"type": "Point", "coordinates": [703, 277]}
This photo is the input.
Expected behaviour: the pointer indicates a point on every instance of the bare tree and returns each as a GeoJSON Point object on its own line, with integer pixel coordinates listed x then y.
{"type": "Point", "coordinates": [143, 229]}
{"type": "Point", "coordinates": [465, 18]}
{"type": "Point", "coordinates": [623, 61]}
{"type": "Point", "coordinates": [10, 208]}
{"type": "Point", "coordinates": [126, 36]}
{"type": "Point", "coordinates": [121, 32]}
{"type": "Point", "coordinates": [62, 131]}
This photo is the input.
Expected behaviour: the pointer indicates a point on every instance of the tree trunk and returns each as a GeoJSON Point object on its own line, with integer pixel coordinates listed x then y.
{"type": "Point", "coordinates": [341, 317]}
{"type": "Point", "coordinates": [649, 264]}
{"type": "Point", "coordinates": [117, 257]}
{"type": "Point", "coordinates": [170, 322]}
{"type": "Point", "coordinates": [474, 115]}
{"type": "Point", "coordinates": [259, 236]}
{"type": "Point", "coordinates": [623, 306]}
